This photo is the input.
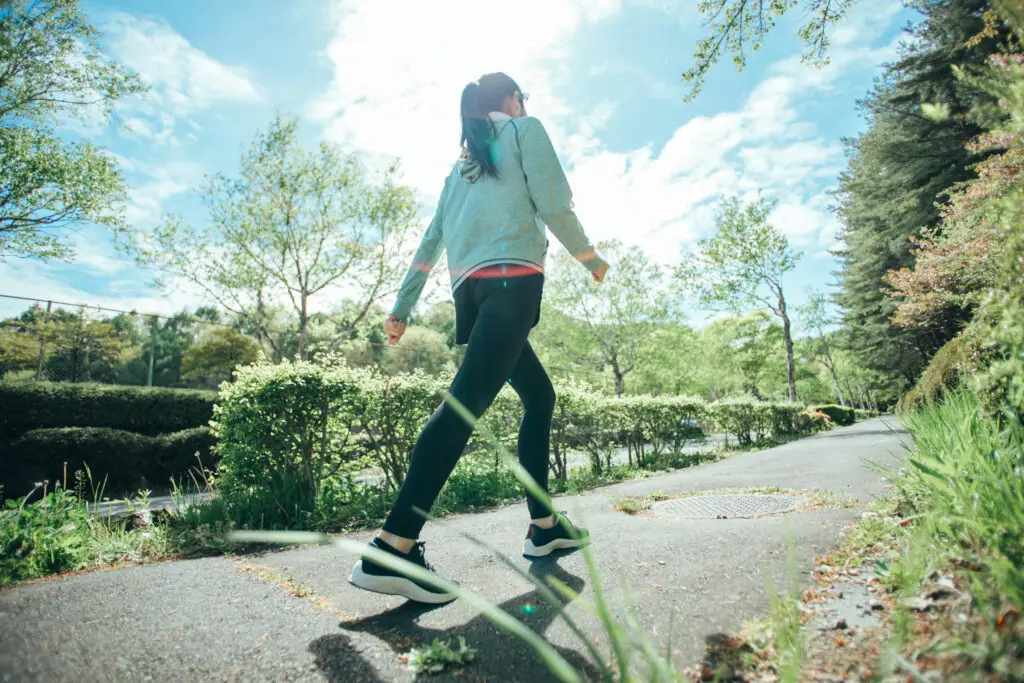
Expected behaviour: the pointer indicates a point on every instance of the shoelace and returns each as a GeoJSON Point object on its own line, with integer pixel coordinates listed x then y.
{"type": "Point", "coordinates": [421, 558]}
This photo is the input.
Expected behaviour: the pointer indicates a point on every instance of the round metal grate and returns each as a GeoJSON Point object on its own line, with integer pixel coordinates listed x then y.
{"type": "Point", "coordinates": [729, 506]}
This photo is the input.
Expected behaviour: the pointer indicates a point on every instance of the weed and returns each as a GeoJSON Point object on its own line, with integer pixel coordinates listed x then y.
{"type": "Point", "coordinates": [633, 506]}
{"type": "Point", "coordinates": [438, 656]}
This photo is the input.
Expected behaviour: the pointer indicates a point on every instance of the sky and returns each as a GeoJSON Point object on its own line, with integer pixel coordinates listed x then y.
{"type": "Point", "coordinates": [382, 78]}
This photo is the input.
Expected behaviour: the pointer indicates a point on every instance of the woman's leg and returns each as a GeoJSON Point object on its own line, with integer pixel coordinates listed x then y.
{"type": "Point", "coordinates": [503, 323]}
{"type": "Point", "coordinates": [533, 385]}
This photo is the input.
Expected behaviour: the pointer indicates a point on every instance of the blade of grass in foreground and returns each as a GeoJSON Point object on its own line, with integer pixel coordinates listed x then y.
{"type": "Point", "coordinates": [540, 494]}
{"type": "Point", "coordinates": [555, 662]}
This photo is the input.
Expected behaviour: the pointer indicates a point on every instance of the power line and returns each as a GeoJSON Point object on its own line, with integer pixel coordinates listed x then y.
{"type": "Point", "coordinates": [37, 300]}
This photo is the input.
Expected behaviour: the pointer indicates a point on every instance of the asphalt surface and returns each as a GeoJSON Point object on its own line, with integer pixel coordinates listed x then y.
{"type": "Point", "coordinates": [228, 619]}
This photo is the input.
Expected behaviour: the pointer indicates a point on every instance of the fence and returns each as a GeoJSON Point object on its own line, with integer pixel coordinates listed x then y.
{"type": "Point", "coordinates": [64, 342]}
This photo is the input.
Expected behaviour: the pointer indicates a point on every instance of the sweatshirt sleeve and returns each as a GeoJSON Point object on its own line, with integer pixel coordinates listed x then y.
{"type": "Point", "coordinates": [423, 262]}
{"type": "Point", "coordinates": [550, 192]}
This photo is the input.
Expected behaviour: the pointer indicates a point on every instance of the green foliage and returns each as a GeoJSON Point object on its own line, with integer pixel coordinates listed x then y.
{"type": "Point", "coordinates": [122, 460]}
{"type": "Point", "coordinates": [214, 359]}
{"type": "Point", "coordinates": [43, 537]}
{"type": "Point", "coordinates": [145, 410]}
{"type": "Point", "coordinates": [739, 27]}
{"type": "Point", "coordinates": [436, 657]}
{"type": "Point", "coordinates": [666, 423]}
{"type": "Point", "coordinates": [1001, 316]}
{"type": "Point", "coordinates": [393, 411]}
{"type": "Point", "coordinates": [742, 417]}
{"type": "Point", "coordinates": [615, 316]}
{"type": "Point", "coordinates": [422, 350]}
{"type": "Point", "coordinates": [750, 420]}
{"type": "Point", "coordinates": [291, 224]}
{"type": "Point", "coordinates": [284, 435]}
{"type": "Point", "coordinates": [944, 372]}
{"type": "Point", "coordinates": [840, 415]}
{"type": "Point", "coordinates": [742, 265]}
{"type": "Point", "coordinates": [53, 68]}
{"type": "Point", "coordinates": [964, 481]}
{"type": "Point", "coordinates": [889, 195]}
{"type": "Point", "coordinates": [812, 421]}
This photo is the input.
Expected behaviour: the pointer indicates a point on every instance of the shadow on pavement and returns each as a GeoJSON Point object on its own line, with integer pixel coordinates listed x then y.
{"type": "Point", "coordinates": [499, 656]}
{"type": "Point", "coordinates": [340, 662]}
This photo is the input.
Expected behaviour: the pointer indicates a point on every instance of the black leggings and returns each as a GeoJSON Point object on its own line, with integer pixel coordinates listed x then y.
{"type": "Point", "coordinates": [499, 313]}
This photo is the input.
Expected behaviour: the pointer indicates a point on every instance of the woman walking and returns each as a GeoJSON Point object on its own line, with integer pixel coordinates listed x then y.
{"type": "Point", "coordinates": [490, 220]}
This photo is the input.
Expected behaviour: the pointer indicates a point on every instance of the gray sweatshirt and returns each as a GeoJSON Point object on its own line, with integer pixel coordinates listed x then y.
{"type": "Point", "coordinates": [482, 220]}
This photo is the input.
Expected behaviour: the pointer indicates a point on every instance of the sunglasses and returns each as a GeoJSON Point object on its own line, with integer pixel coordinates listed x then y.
{"type": "Point", "coordinates": [523, 97]}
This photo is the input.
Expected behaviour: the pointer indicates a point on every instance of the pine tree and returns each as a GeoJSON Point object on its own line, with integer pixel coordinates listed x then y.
{"type": "Point", "coordinates": [899, 172]}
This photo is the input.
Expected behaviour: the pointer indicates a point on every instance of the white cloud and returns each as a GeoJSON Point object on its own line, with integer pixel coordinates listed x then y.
{"type": "Point", "coordinates": [399, 68]}
{"type": "Point", "coordinates": [47, 281]}
{"type": "Point", "coordinates": [183, 79]}
{"type": "Point", "coordinates": [664, 200]}
{"type": "Point", "coordinates": [155, 186]}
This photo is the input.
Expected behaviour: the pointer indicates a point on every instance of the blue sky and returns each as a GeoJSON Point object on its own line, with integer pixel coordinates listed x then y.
{"type": "Point", "coordinates": [382, 78]}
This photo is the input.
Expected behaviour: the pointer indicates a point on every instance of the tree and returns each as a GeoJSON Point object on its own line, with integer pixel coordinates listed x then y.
{"type": "Point", "coordinates": [740, 27]}
{"type": "Point", "coordinates": [957, 264]}
{"type": "Point", "coordinates": [742, 266]}
{"type": "Point", "coordinates": [289, 226]}
{"type": "Point", "coordinates": [615, 316]}
{"type": "Point", "coordinates": [421, 349]}
{"type": "Point", "coordinates": [901, 171]}
{"type": "Point", "coordinates": [52, 67]}
{"type": "Point", "coordinates": [817, 319]}
{"type": "Point", "coordinates": [669, 362]}
{"type": "Point", "coordinates": [214, 358]}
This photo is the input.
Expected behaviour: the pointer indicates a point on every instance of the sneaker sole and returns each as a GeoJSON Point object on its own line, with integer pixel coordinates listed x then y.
{"type": "Point", "coordinates": [396, 585]}
{"type": "Point", "coordinates": [531, 550]}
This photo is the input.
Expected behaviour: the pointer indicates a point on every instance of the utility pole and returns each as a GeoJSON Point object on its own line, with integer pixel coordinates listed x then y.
{"type": "Point", "coordinates": [152, 350]}
{"type": "Point", "coordinates": [42, 341]}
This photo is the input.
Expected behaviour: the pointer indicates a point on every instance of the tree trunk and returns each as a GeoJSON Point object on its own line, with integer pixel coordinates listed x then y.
{"type": "Point", "coordinates": [303, 327]}
{"type": "Point", "coordinates": [619, 375]}
{"type": "Point", "coordinates": [831, 365]}
{"type": "Point", "coordinates": [787, 335]}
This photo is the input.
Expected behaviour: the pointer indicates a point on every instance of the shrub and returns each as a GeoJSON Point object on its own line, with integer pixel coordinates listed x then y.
{"type": "Point", "coordinates": [860, 414]}
{"type": "Point", "coordinates": [284, 432]}
{"type": "Point", "coordinates": [43, 537]}
{"type": "Point", "coordinates": [179, 452]}
{"type": "Point", "coordinates": [944, 371]}
{"type": "Point", "coordinates": [125, 460]}
{"type": "Point", "coordinates": [667, 423]}
{"type": "Point", "coordinates": [812, 421]}
{"type": "Point", "coordinates": [144, 410]}
{"type": "Point", "coordinates": [784, 418]}
{"type": "Point", "coordinates": [744, 417]}
{"type": "Point", "coordinates": [393, 410]}
{"type": "Point", "coordinates": [582, 421]}
{"type": "Point", "coordinates": [840, 415]}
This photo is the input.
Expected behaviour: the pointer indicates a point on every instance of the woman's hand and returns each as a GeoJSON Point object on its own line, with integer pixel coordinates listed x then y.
{"type": "Point", "coordinates": [394, 329]}
{"type": "Point", "coordinates": [601, 271]}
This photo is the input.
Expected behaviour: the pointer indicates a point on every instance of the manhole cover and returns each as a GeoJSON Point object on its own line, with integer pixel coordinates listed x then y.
{"type": "Point", "coordinates": [727, 506]}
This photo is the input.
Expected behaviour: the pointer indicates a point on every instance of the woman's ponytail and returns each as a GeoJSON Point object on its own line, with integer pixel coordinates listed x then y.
{"type": "Point", "coordinates": [477, 130]}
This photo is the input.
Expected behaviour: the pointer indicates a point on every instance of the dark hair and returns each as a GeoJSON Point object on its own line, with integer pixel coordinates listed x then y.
{"type": "Point", "coordinates": [478, 100]}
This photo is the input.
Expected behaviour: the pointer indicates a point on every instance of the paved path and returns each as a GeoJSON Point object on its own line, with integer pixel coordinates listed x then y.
{"type": "Point", "coordinates": [213, 620]}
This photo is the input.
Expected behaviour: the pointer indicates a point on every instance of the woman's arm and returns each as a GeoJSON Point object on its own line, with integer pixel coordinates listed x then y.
{"type": "Point", "coordinates": [550, 191]}
{"type": "Point", "coordinates": [423, 262]}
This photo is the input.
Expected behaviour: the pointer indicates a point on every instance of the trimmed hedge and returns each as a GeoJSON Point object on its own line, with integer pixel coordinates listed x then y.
{"type": "Point", "coordinates": [841, 415]}
{"type": "Point", "coordinates": [124, 458]}
{"type": "Point", "coordinates": [860, 414]}
{"type": "Point", "coordinates": [143, 410]}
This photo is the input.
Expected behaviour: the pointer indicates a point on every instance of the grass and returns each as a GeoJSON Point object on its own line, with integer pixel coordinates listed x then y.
{"type": "Point", "coordinates": [943, 555]}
